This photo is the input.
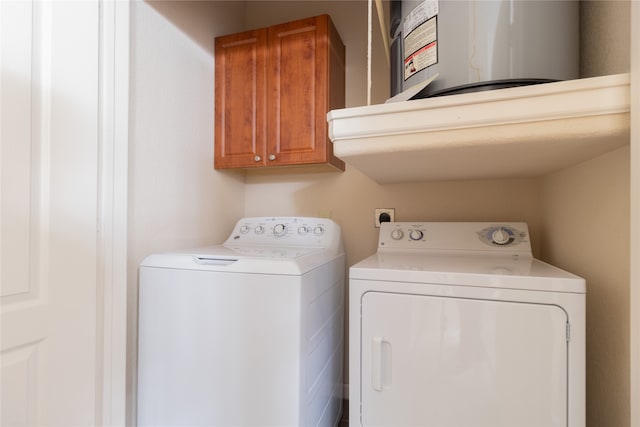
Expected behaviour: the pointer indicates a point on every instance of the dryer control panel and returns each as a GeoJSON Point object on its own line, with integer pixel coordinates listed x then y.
{"type": "Point", "coordinates": [456, 236]}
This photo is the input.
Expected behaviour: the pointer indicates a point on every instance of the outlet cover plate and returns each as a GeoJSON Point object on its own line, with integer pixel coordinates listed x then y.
{"type": "Point", "coordinates": [379, 211]}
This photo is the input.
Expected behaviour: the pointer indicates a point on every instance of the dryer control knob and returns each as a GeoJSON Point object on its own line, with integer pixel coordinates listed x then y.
{"type": "Point", "coordinates": [259, 229]}
{"type": "Point", "coordinates": [397, 234]}
{"type": "Point", "coordinates": [501, 236]}
{"type": "Point", "coordinates": [279, 229]}
{"type": "Point", "coordinates": [416, 234]}
{"type": "Point", "coordinates": [245, 229]}
{"type": "Point", "coordinates": [318, 231]}
{"type": "Point", "coordinates": [302, 230]}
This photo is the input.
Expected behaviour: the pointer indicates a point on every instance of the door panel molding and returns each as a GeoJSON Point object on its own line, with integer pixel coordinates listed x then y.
{"type": "Point", "coordinates": [20, 366]}
{"type": "Point", "coordinates": [64, 92]}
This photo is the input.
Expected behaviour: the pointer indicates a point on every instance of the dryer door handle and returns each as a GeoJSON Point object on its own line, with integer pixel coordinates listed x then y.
{"type": "Point", "coordinates": [380, 363]}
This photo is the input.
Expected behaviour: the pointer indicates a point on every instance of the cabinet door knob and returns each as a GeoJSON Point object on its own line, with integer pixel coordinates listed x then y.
{"type": "Point", "coordinates": [257, 158]}
{"type": "Point", "coordinates": [272, 156]}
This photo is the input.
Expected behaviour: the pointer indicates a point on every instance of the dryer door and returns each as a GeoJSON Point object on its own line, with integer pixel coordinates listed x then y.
{"type": "Point", "coordinates": [441, 361]}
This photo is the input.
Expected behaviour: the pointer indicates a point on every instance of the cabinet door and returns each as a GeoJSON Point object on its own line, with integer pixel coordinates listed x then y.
{"type": "Point", "coordinates": [240, 93]}
{"type": "Point", "coordinates": [298, 90]}
{"type": "Point", "coordinates": [438, 361]}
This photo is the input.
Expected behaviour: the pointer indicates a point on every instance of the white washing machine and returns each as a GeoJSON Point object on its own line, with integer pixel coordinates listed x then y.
{"type": "Point", "coordinates": [456, 324]}
{"type": "Point", "coordinates": [247, 333]}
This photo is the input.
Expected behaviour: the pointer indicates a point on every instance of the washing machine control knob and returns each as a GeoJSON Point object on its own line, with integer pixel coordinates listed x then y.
{"type": "Point", "coordinates": [397, 234]}
{"type": "Point", "coordinates": [416, 234]}
{"type": "Point", "coordinates": [279, 229]}
{"type": "Point", "coordinates": [302, 230]}
{"type": "Point", "coordinates": [245, 229]}
{"type": "Point", "coordinates": [259, 229]}
{"type": "Point", "coordinates": [318, 231]}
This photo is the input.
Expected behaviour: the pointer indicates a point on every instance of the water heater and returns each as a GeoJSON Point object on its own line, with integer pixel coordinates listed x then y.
{"type": "Point", "coordinates": [473, 45]}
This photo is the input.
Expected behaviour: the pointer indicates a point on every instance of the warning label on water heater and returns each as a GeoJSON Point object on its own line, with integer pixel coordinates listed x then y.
{"type": "Point", "coordinates": [421, 40]}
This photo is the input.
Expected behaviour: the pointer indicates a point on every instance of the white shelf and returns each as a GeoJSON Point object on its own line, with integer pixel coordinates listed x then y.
{"type": "Point", "coordinates": [518, 132]}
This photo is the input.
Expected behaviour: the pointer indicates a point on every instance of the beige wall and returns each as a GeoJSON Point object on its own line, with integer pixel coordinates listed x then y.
{"type": "Point", "coordinates": [176, 199]}
{"type": "Point", "coordinates": [586, 227]}
{"type": "Point", "coordinates": [586, 231]}
{"type": "Point", "coordinates": [634, 214]}
{"type": "Point", "coordinates": [605, 41]}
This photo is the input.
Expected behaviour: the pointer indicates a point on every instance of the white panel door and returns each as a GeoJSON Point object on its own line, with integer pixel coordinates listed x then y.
{"type": "Point", "coordinates": [435, 361]}
{"type": "Point", "coordinates": [49, 197]}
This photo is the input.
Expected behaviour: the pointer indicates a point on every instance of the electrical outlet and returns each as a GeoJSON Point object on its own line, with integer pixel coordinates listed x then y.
{"type": "Point", "coordinates": [384, 215]}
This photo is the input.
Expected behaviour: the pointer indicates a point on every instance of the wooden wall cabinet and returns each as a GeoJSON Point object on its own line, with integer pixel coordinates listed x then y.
{"type": "Point", "coordinates": [273, 89]}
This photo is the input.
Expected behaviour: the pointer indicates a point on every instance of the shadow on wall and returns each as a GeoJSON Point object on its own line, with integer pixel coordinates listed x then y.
{"type": "Point", "coordinates": [193, 18]}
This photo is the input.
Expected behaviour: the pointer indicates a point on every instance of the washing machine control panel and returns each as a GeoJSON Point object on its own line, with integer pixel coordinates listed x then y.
{"type": "Point", "coordinates": [469, 236]}
{"type": "Point", "coordinates": [286, 231]}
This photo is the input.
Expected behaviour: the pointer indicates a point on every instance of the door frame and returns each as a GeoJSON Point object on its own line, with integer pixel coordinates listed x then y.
{"type": "Point", "coordinates": [113, 211]}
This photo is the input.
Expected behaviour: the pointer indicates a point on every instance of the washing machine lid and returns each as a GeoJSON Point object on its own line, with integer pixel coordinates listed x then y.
{"type": "Point", "coordinates": [489, 271]}
{"type": "Point", "coordinates": [253, 260]}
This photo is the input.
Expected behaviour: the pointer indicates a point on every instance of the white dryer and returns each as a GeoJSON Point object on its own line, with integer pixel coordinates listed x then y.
{"type": "Point", "coordinates": [456, 324]}
{"type": "Point", "coordinates": [245, 333]}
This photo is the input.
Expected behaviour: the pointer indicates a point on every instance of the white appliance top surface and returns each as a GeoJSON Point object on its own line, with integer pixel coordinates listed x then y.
{"type": "Point", "coordinates": [495, 255]}
{"type": "Point", "coordinates": [262, 245]}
